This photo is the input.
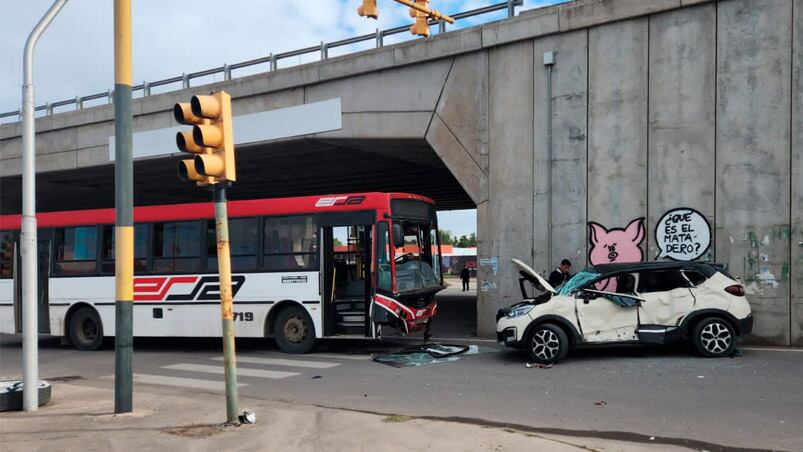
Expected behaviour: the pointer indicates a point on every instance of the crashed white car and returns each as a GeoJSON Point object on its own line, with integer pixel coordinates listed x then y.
{"type": "Point", "coordinates": [644, 302]}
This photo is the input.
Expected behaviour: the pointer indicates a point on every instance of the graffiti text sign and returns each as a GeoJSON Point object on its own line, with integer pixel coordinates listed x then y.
{"type": "Point", "coordinates": [682, 235]}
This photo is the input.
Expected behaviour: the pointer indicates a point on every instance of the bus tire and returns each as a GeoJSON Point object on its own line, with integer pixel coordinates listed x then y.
{"type": "Point", "coordinates": [86, 329]}
{"type": "Point", "coordinates": [294, 330]}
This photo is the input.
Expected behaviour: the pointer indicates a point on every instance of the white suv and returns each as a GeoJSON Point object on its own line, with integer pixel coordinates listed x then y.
{"type": "Point", "coordinates": [644, 302]}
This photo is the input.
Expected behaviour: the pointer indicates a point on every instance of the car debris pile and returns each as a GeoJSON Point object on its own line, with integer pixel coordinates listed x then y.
{"type": "Point", "coordinates": [420, 355]}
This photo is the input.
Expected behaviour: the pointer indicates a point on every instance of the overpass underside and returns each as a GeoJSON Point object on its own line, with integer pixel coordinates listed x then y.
{"type": "Point", "coordinates": [295, 167]}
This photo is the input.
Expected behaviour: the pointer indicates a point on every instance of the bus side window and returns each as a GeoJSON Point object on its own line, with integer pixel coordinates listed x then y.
{"type": "Point", "coordinates": [140, 248]}
{"type": "Point", "coordinates": [7, 240]}
{"type": "Point", "coordinates": [291, 243]}
{"type": "Point", "coordinates": [176, 246]}
{"type": "Point", "coordinates": [243, 239]}
{"type": "Point", "coordinates": [76, 250]}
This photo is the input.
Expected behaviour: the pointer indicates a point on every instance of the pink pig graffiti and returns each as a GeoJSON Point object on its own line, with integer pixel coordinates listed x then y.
{"type": "Point", "coordinates": [615, 245]}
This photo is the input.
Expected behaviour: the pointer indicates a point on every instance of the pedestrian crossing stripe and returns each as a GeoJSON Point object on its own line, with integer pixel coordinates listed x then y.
{"type": "Point", "coordinates": [241, 371]}
{"type": "Point", "coordinates": [282, 362]}
{"type": "Point", "coordinates": [187, 383]}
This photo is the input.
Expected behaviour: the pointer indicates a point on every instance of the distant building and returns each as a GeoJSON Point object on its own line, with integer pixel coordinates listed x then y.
{"type": "Point", "coordinates": [454, 259]}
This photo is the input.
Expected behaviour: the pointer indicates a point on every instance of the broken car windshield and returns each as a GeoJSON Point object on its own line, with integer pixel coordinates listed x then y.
{"type": "Point", "coordinates": [576, 282]}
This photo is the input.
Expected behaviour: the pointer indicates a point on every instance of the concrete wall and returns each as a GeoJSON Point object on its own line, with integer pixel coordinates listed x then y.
{"type": "Point", "coordinates": [656, 109]}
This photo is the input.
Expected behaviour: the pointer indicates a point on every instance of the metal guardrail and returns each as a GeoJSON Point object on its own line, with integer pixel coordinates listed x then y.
{"type": "Point", "coordinates": [272, 59]}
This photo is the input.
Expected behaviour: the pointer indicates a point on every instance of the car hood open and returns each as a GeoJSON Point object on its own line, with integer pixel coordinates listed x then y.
{"type": "Point", "coordinates": [530, 274]}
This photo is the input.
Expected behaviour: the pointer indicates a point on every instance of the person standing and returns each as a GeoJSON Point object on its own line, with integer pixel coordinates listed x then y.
{"type": "Point", "coordinates": [561, 274]}
{"type": "Point", "coordinates": [465, 276]}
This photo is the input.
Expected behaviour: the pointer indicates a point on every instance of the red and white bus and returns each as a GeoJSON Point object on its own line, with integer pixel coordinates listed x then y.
{"type": "Point", "coordinates": [303, 268]}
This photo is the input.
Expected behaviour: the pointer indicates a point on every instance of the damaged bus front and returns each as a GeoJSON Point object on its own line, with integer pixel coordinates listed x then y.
{"type": "Point", "coordinates": [409, 270]}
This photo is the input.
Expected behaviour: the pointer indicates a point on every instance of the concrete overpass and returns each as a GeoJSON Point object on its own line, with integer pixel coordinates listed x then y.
{"type": "Point", "coordinates": [654, 105]}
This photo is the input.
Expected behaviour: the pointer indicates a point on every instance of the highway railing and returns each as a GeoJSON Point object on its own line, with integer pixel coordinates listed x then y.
{"type": "Point", "coordinates": [272, 60]}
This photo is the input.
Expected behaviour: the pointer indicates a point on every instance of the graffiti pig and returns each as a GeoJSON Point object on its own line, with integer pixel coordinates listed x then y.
{"type": "Point", "coordinates": [615, 245]}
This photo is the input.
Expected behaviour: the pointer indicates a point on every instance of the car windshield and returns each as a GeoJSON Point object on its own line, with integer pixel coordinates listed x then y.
{"type": "Point", "coordinates": [576, 282]}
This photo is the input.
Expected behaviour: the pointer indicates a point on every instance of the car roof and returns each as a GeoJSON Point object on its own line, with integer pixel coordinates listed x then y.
{"type": "Point", "coordinates": [706, 268]}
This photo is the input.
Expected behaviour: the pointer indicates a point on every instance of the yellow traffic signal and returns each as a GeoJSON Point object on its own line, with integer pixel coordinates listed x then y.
{"type": "Point", "coordinates": [421, 25]}
{"type": "Point", "coordinates": [211, 139]}
{"type": "Point", "coordinates": [368, 9]}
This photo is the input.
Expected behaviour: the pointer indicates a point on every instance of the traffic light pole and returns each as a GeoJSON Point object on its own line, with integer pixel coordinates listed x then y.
{"type": "Point", "coordinates": [226, 305]}
{"type": "Point", "coordinates": [124, 206]}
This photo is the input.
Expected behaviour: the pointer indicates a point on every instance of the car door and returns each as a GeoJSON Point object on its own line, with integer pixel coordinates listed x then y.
{"type": "Point", "coordinates": [608, 316]}
{"type": "Point", "coordinates": [667, 297]}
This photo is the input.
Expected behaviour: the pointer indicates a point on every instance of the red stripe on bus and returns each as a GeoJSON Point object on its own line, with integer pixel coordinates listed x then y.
{"type": "Point", "coordinates": [197, 211]}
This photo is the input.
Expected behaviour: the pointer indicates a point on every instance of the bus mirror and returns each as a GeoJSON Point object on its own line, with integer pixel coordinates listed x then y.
{"type": "Point", "coordinates": [398, 235]}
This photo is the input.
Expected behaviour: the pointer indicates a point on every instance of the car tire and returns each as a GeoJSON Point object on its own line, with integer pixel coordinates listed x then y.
{"type": "Point", "coordinates": [714, 337]}
{"type": "Point", "coordinates": [294, 330]}
{"type": "Point", "coordinates": [86, 329]}
{"type": "Point", "coordinates": [547, 344]}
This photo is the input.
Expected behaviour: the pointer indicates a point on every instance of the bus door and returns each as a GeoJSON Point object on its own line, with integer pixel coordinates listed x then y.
{"type": "Point", "coordinates": [346, 273]}
{"type": "Point", "coordinates": [42, 295]}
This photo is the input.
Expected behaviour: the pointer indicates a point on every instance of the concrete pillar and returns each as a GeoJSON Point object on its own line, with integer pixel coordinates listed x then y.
{"type": "Point", "coordinates": [458, 132]}
{"type": "Point", "coordinates": [796, 244]}
{"type": "Point", "coordinates": [509, 210]}
{"type": "Point", "coordinates": [569, 149]}
{"type": "Point", "coordinates": [682, 115]}
{"type": "Point", "coordinates": [617, 124]}
{"type": "Point", "coordinates": [752, 155]}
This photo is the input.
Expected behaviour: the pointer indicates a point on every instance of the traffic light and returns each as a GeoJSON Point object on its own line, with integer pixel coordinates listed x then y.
{"type": "Point", "coordinates": [368, 9]}
{"type": "Point", "coordinates": [421, 25]}
{"type": "Point", "coordinates": [211, 139]}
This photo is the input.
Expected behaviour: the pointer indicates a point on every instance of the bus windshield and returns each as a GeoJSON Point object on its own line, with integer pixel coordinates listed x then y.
{"type": "Point", "coordinates": [417, 256]}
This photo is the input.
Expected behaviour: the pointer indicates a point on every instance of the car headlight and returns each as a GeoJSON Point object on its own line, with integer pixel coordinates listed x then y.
{"type": "Point", "coordinates": [519, 311]}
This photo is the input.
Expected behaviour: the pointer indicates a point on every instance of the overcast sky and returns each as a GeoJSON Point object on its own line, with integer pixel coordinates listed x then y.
{"type": "Point", "coordinates": [75, 55]}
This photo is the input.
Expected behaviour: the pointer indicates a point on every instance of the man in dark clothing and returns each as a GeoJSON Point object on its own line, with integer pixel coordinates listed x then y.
{"type": "Point", "coordinates": [561, 274]}
{"type": "Point", "coordinates": [465, 275]}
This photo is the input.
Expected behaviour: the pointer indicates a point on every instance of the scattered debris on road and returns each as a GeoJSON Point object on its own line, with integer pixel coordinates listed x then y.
{"type": "Point", "coordinates": [538, 366]}
{"type": "Point", "coordinates": [425, 354]}
{"type": "Point", "coordinates": [737, 352]}
{"type": "Point", "coordinates": [248, 417]}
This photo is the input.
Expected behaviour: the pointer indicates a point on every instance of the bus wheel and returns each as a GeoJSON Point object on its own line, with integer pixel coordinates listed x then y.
{"type": "Point", "coordinates": [294, 330]}
{"type": "Point", "coordinates": [86, 329]}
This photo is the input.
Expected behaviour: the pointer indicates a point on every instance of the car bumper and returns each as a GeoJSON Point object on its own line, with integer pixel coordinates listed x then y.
{"type": "Point", "coordinates": [745, 325]}
{"type": "Point", "coordinates": [508, 336]}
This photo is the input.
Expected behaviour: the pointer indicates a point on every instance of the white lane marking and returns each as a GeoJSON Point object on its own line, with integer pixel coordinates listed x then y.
{"type": "Point", "coordinates": [340, 356]}
{"type": "Point", "coordinates": [241, 371]}
{"type": "Point", "coordinates": [761, 349]}
{"type": "Point", "coordinates": [187, 383]}
{"type": "Point", "coordinates": [282, 362]}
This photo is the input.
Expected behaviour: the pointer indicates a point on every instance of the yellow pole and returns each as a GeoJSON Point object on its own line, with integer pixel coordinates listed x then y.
{"type": "Point", "coordinates": [124, 206]}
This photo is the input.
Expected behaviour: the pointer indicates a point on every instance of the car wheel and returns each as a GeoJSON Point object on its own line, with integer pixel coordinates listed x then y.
{"type": "Point", "coordinates": [86, 329]}
{"type": "Point", "coordinates": [714, 337]}
{"type": "Point", "coordinates": [547, 344]}
{"type": "Point", "coordinates": [294, 330]}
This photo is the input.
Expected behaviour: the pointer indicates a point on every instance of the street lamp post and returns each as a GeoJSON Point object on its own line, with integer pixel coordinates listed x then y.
{"type": "Point", "coordinates": [28, 241]}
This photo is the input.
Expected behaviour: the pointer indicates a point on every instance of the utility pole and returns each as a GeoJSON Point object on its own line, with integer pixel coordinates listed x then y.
{"type": "Point", "coordinates": [124, 208]}
{"type": "Point", "coordinates": [28, 241]}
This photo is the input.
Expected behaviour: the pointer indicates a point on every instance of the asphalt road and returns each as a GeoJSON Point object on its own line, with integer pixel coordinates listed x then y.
{"type": "Point", "coordinates": [752, 401]}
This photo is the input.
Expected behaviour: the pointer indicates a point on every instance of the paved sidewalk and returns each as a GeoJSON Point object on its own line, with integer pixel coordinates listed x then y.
{"type": "Point", "coordinates": [79, 418]}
